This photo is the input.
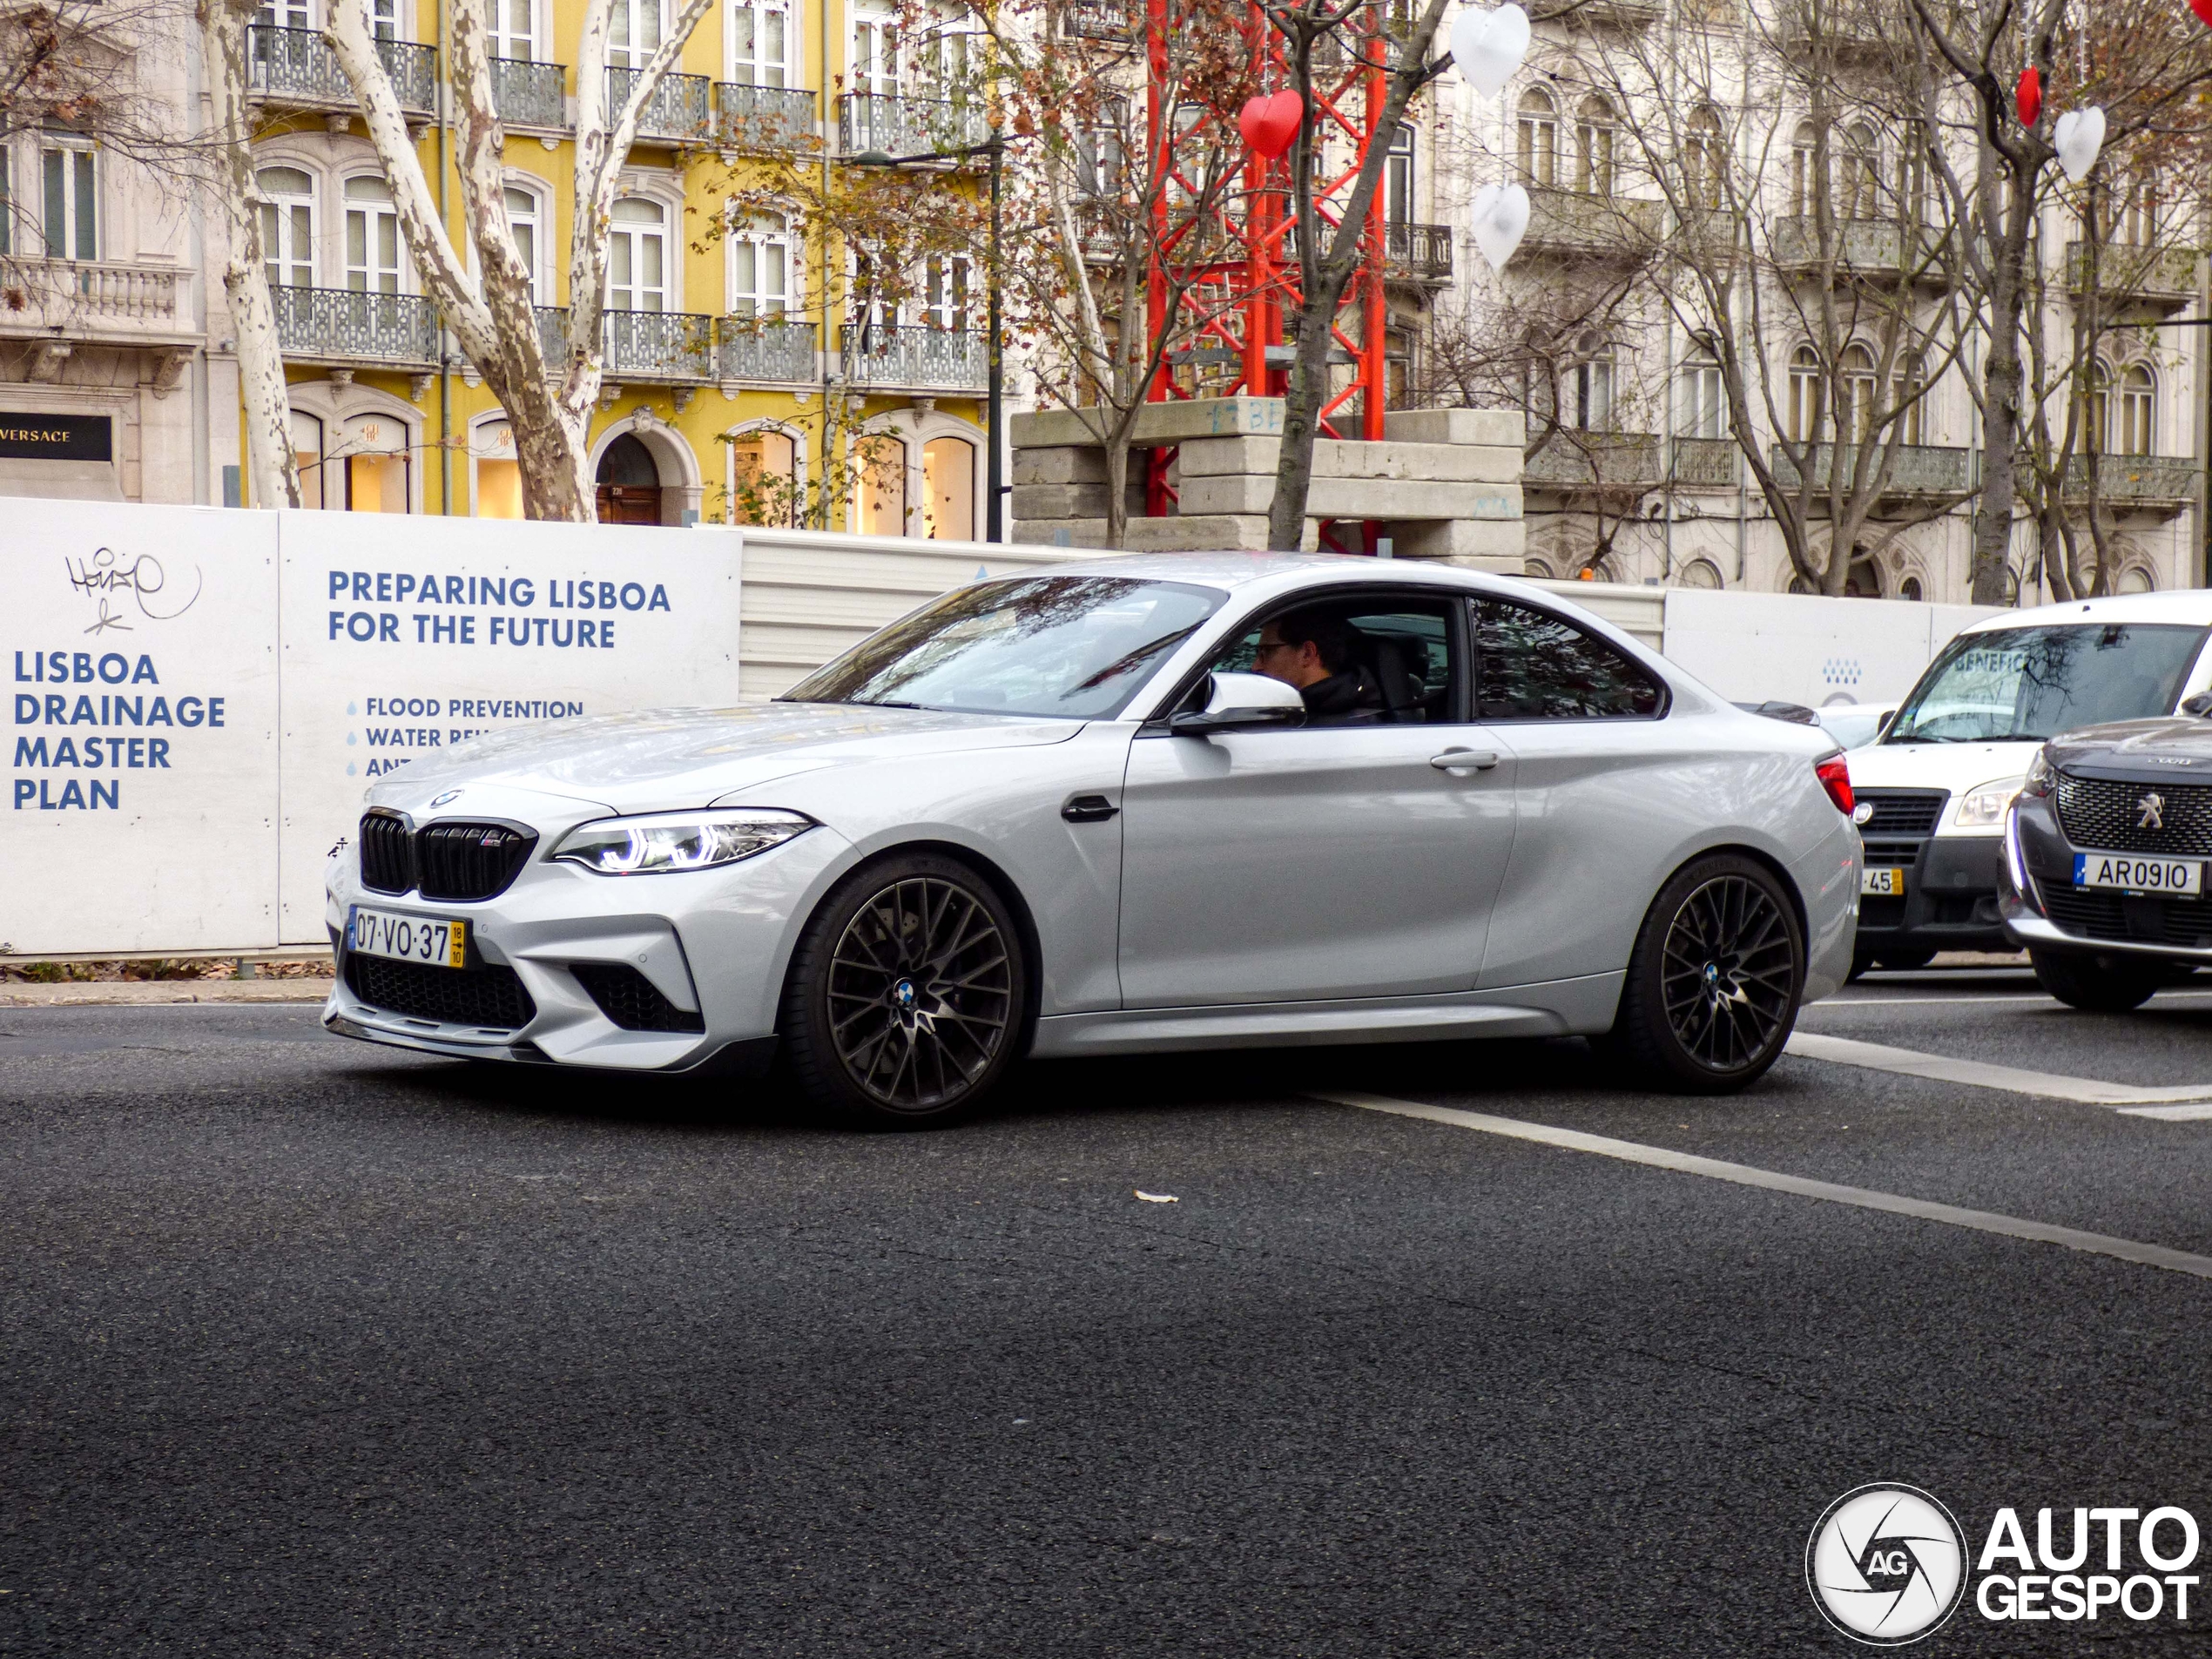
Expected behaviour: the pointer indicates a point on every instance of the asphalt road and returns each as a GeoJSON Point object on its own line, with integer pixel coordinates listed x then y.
{"type": "Point", "coordinates": [308, 1348]}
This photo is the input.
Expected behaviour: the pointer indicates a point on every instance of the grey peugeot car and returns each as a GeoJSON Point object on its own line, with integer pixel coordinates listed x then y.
{"type": "Point", "coordinates": [1104, 811]}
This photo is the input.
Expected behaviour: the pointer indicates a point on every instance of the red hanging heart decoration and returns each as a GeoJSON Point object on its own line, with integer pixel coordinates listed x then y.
{"type": "Point", "coordinates": [2028, 98]}
{"type": "Point", "coordinates": [2203, 10]}
{"type": "Point", "coordinates": [1269, 124]}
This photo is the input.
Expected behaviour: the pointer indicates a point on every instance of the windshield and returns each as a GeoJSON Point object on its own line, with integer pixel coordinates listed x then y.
{"type": "Point", "coordinates": [2019, 684]}
{"type": "Point", "coordinates": [1069, 647]}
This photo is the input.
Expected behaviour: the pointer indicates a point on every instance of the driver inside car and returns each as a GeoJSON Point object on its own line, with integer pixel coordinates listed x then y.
{"type": "Point", "coordinates": [1317, 653]}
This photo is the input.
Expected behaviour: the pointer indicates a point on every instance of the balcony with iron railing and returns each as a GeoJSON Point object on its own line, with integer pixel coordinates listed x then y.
{"type": "Point", "coordinates": [1592, 226]}
{"type": "Point", "coordinates": [680, 110]}
{"type": "Point", "coordinates": [915, 357]}
{"type": "Point", "coordinates": [95, 299]}
{"type": "Point", "coordinates": [1577, 461]}
{"type": "Point", "coordinates": [899, 125]}
{"type": "Point", "coordinates": [1709, 463]}
{"type": "Point", "coordinates": [774, 349]}
{"type": "Point", "coordinates": [1417, 252]}
{"type": "Point", "coordinates": [762, 117]}
{"type": "Point", "coordinates": [530, 95]}
{"type": "Point", "coordinates": [1917, 469]}
{"type": "Point", "coordinates": [1866, 247]}
{"type": "Point", "coordinates": [659, 346]}
{"type": "Point", "coordinates": [351, 326]}
{"type": "Point", "coordinates": [1097, 19]}
{"type": "Point", "coordinates": [2127, 270]}
{"type": "Point", "coordinates": [295, 68]}
{"type": "Point", "coordinates": [2135, 481]}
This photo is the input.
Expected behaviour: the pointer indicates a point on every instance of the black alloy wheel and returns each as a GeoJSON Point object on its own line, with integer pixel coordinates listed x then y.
{"type": "Point", "coordinates": [1712, 990]}
{"type": "Point", "coordinates": [906, 996]}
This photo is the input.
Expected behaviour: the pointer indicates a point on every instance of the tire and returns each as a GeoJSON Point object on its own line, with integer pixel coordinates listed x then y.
{"type": "Point", "coordinates": [1904, 960]}
{"type": "Point", "coordinates": [1859, 967]}
{"type": "Point", "coordinates": [2095, 982]}
{"type": "Point", "coordinates": [1712, 988]}
{"type": "Point", "coordinates": [906, 997]}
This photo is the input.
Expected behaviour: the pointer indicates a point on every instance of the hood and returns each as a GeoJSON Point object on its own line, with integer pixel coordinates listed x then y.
{"type": "Point", "coordinates": [2177, 749]}
{"type": "Point", "coordinates": [676, 757]}
{"type": "Point", "coordinates": [1955, 766]}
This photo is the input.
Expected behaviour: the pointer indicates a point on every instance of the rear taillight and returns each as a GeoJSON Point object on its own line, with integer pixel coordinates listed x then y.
{"type": "Point", "coordinates": [1835, 776]}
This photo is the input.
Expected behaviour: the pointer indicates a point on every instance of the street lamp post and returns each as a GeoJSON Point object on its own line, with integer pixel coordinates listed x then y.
{"type": "Point", "coordinates": [994, 394]}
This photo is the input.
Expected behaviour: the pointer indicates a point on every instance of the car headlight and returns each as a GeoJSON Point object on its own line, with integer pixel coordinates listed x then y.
{"type": "Point", "coordinates": [2041, 775]}
{"type": "Point", "coordinates": [658, 843]}
{"type": "Point", "coordinates": [1982, 807]}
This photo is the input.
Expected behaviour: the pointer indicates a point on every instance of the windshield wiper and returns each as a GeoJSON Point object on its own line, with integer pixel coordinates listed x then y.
{"type": "Point", "coordinates": [886, 703]}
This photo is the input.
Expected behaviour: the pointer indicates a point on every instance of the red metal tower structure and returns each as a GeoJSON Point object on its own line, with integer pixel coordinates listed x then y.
{"type": "Point", "coordinates": [1245, 294]}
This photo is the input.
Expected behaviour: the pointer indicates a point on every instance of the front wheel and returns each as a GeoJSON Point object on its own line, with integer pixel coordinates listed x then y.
{"type": "Point", "coordinates": [906, 995]}
{"type": "Point", "coordinates": [1713, 985]}
{"type": "Point", "coordinates": [2094, 982]}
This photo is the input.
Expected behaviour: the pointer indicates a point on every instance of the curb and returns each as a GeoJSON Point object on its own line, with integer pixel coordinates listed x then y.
{"type": "Point", "coordinates": [130, 993]}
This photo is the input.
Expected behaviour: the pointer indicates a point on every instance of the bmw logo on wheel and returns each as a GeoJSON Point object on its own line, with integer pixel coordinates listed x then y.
{"type": "Point", "coordinates": [1886, 1565]}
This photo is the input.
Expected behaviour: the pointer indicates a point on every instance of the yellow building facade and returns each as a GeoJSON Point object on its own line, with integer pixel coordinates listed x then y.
{"type": "Point", "coordinates": [731, 364]}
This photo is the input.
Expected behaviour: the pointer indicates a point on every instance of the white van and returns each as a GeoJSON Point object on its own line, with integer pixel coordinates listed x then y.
{"type": "Point", "coordinates": [1932, 790]}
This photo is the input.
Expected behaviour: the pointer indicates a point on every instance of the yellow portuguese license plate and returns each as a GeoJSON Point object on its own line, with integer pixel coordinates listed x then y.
{"type": "Point", "coordinates": [432, 939]}
{"type": "Point", "coordinates": [1884, 882]}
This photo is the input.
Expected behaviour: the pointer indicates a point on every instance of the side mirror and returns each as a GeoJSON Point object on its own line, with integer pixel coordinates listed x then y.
{"type": "Point", "coordinates": [1241, 702]}
{"type": "Point", "coordinates": [2200, 705]}
{"type": "Point", "coordinates": [1888, 719]}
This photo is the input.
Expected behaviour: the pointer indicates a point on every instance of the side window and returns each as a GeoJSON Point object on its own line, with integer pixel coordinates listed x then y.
{"type": "Point", "coordinates": [1531, 666]}
{"type": "Point", "coordinates": [1359, 661]}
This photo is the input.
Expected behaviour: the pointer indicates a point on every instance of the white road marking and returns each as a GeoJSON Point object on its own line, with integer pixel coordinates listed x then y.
{"type": "Point", "coordinates": [2160, 1001]}
{"type": "Point", "coordinates": [1875, 1056]}
{"type": "Point", "coordinates": [1659, 1157]}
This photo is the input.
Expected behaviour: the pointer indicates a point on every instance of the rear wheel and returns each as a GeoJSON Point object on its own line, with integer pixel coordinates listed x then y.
{"type": "Point", "coordinates": [2094, 981]}
{"type": "Point", "coordinates": [1713, 986]}
{"type": "Point", "coordinates": [905, 998]}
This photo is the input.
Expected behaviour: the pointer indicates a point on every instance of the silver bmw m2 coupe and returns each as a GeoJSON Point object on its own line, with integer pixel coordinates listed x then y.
{"type": "Point", "coordinates": [1147, 804]}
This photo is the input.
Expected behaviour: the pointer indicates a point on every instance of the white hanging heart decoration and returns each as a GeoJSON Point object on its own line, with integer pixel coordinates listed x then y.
{"type": "Point", "coordinates": [1500, 219]}
{"type": "Point", "coordinates": [1487, 46]}
{"type": "Point", "coordinates": [2079, 134]}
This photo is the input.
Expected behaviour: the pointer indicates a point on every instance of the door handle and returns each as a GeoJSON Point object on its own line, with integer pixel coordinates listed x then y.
{"type": "Point", "coordinates": [1464, 760]}
{"type": "Point", "coordinates": [1088, 809]}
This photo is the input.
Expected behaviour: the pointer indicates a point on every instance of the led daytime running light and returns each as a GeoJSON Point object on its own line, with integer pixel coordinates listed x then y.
{"type": "Point", "coordinates": [665, 843]}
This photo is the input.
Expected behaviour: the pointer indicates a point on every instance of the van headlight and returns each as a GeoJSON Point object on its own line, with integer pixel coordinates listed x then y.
{"type": "Point", "coordinates": [658, 843]}
{"type": "Point", "coordinates": [1982, 807]}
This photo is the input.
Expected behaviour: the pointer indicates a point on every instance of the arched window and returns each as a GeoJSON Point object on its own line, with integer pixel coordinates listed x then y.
{"type": "Point", "coordinates": [526, 218]}
{"type": "Point", "coordinates": [948, 489]}
{"type": "Point", "coordinates": [1910, 589]}
{"type": "Point", "coordinates": [307, 455]}
{"type": "Point", "coordinates": [629, 483]}
{"type": "Point", "coordinates": [1705, 159]}
{"type": "Point", "coordinates": [883, 485]}
{"type": "Point", "coordinates": [637, 256]}
{"type": "Point", "coordinates": [1593, 136]}
{"type": "Point", "coordinates": [1859, 192]}
{"type": "Point", "coordinates": [764, 478]}
{"type": "Point", "coordinates": [2096, 425]}
{"type": "Point", "coordinates": [499, 479]}
{"type": "Point", "coordinates": [1538, 136]}
{"type": "Point", "coordinates": [373, 458]}
{"type": "Point", "coordinates": [288, 226]}
{"type": "Point", "coordinates": [2135, 427]}
{"type": "Point", "coordinates": [1808, 393]}
{"type": "Point", "coordinates": [372, 236]}
{"type": "Point", "coordinates": [1700, 409]}
{"type": "Point", "coordinates": [1701, 574]}
{"type": "Point", "coordinates": [1805, 180]}
{"type": "Point", "coordinates": [1859, 381]}
{"type": "Point", "coordinates": [2134, 579]}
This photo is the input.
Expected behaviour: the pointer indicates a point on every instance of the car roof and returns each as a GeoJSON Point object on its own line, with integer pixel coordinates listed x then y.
{"type": "Point", "coordinates": [1234, 570]}
{"type": "Point", "coordinates": [2190, 608]}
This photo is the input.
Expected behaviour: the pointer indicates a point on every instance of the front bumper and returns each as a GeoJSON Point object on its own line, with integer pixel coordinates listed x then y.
{"type": "Point", "coordinates": [713, 944]}
{"type": "Point", "coordinates": [2053, 914]}
{"type": "Point", "coordinates": [1950, 901]}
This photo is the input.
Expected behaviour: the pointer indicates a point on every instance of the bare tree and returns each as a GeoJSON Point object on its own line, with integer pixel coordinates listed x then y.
{"type": "Point", "coordinates": [1327, 255]}
{"type": "Point", "coordinates": [490, 310]}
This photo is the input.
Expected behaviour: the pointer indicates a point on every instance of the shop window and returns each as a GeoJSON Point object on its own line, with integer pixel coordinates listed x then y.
{"type": "Point", "coordinates": [883, 486]}
{"type": "Point", "coordinates": [307, 455]}
{"type": "Point", "coordinates": [948, 489]}
{"type": "Point", "coordinates": [499, 476]}
{"type": "Point", "coordinates": [766, 481]}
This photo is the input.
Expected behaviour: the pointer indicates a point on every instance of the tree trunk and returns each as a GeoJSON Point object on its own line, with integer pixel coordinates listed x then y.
{"type": "Point", "coordinates": [272, 469]}
{"type": "Point", "coordinates": [2001, 424]}
{"type": "Point", "coordinates": [1324, 277]}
